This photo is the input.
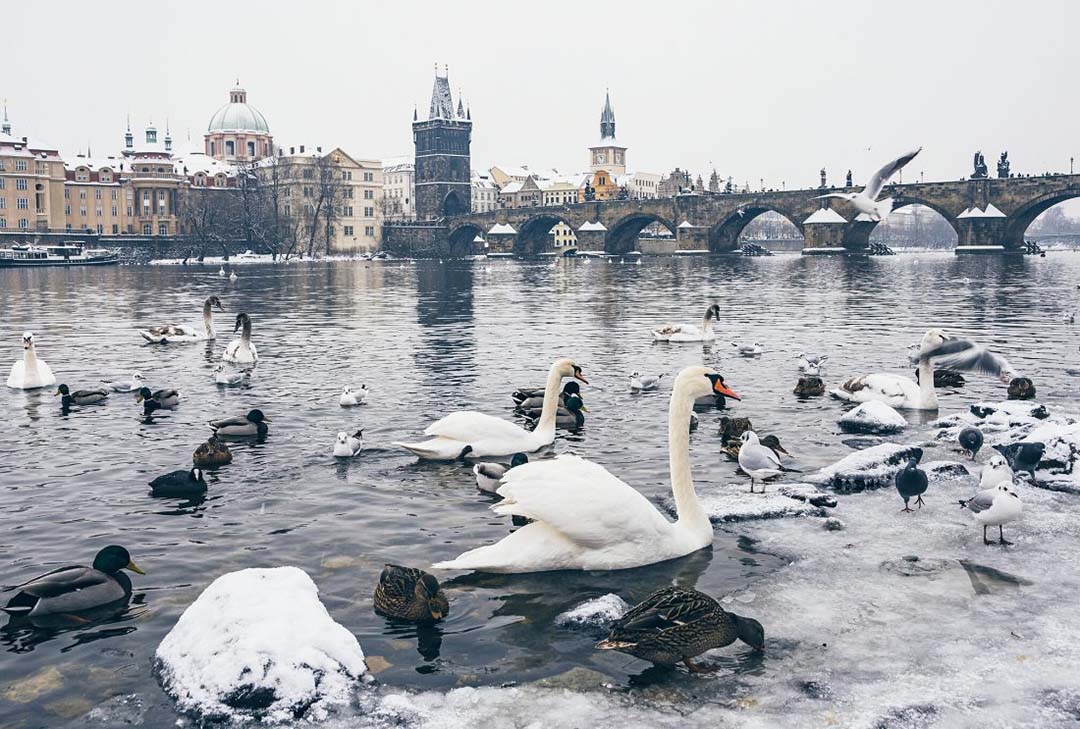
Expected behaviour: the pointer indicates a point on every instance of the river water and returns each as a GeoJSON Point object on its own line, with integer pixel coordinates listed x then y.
{"type": "Point", "coordinates": [427, 338]}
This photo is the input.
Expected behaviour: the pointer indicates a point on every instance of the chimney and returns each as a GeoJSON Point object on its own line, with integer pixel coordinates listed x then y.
{"type": "Point", "coordinates": [319, 150]}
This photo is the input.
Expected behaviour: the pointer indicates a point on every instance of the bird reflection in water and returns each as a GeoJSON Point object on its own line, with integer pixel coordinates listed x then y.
{"type": "Point", "coordinates": [22, 634]}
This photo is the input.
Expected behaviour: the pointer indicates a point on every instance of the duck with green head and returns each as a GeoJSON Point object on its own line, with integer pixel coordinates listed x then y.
{"type": "Point", "coordinates": [76, 588]}
{"type": "Point", "coordinates": [80, 397]}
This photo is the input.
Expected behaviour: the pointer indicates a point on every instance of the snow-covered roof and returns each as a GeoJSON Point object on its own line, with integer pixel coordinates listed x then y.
{"type": "Point", "coordinates": [512, 187]}
{"type": "Point", "coordinates": [592, 226]}
{"type": "Point", "coordinates": [97, 163]}
{"type": "Point", "coordinates": [825, 215]}
{"type": "Point", "coordinates": [863, 218]}
{"type": "Point", "coordinates": [992, 212]}
{"type": "Point", "coordinates": [398, 164]}
{"type": "Point", "coordinates": [686, 224]}
{"type": "Point", "coordinates": [608, 142]}
{"type": "Point", "coordinates": [478, 239]}
{"type": "Point", "coordinates": [970, 213]}
{"type": "Point", "coordinates": [502, 229]}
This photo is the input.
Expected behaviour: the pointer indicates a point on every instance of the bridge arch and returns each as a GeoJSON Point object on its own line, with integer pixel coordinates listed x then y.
{"type": "Point", "coordinates": [623, 234]}
{"type": "Point", "coordinates": [857, 233]}
{"type": "Point", "coordinates": [1022, 218]}
{"type": "Point", "coordinates": [534, 234]}
{"type": "Point", "coordinates": [462, 240]}
{"type": "Point", "coordinates": [724, 235]}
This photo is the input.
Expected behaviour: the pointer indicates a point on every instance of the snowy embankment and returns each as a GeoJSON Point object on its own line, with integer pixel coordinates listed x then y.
{"type": "Point", "coordinates": [258, 644]}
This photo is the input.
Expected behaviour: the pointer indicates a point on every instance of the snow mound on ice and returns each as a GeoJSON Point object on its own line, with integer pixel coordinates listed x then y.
{"type": "Point", "coordinates": [873, 417]}
{"type": "Point", "coordinates": [870, 468]}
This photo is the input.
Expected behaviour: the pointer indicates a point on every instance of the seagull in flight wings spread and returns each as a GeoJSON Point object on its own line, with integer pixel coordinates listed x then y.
{"type": "Point", "coordinates": [866, 200]}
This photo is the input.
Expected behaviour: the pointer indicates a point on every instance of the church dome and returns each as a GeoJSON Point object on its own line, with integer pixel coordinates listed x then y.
{"type": "Point", "coordinates": [238, 116]}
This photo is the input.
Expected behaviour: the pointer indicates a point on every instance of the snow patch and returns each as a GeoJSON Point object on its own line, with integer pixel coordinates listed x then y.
{"type": "Point", "coordinates": [870, 468]}
{"type": "Point", "coordinates": [258, 644]}
{"type": "Point", "coordinates": [825, 215]}
{"type": "Point", "coordinates": [600, 612]}
{"type": "Point", "coordinates": [734, 502]}
{"type": "Point", "coordinates": [873, 417]}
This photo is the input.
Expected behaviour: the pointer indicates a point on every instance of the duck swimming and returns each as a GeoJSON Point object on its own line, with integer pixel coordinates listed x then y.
{"type": "Point", "coordinates": [212, 454]}
{"type": "Point", "coordinates": [570, 417]}
{"type": "Point", "coordinates": [810, 386]}
{"type": "Point", "coordinates": [73, 589]}
{"type": "Point", "coordinates": [242, 426]}
{"type": "Point", "coordinates": [180, 484]}
{"type": "Point", "coordinates": [176, 333]}
{"type": "Point", "coordinates": [488, 475]}
{"type": "Point", "coordinates": [157, 400]}
{"type": "Point", "coordinates": [674, 625]}
{"type": "Point", "coordinates": [406, 593]}
{"type": "Point", "coordinates": [535, 400]}
{"type": "Point", "coordinates": [30, 373]}
{"type": "Point", "coordinates": [241, 350]}
{"type": "Point", "coordinates": [80, 397]}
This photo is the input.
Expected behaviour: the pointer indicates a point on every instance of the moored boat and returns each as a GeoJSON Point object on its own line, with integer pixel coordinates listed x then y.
{"type": "Point", "coordinates": [70, 254]}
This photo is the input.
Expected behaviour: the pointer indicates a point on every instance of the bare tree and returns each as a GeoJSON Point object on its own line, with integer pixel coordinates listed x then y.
{"type": "Point", "coordinates": [209, 216]}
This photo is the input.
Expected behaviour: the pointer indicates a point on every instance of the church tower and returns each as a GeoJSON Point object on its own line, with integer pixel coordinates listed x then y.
{"type": "Point", "coordinates": [607, 155]}
{"type": "Point", "coordinates": [443, 165]}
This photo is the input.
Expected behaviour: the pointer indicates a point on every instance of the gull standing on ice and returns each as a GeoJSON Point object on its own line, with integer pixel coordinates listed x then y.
{"type": "Point", "coordinates": [995, 472]}
{"type": "Point", "coordinates": [865, 201]}
{"type": "Point", "coordinates": [757, 461]}
{"type": "Point", "coordinates": [994, 507]}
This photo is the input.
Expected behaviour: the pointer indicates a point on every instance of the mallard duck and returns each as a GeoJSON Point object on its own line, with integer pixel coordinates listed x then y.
{"type": "Point", "coordinates": [733, 428]}
{"type": "Point", "coordinates": [30, 373]}
{"type": "Point", "coordinates": [254, 423]}
{"type": "Point", "coordinates": [569, 416]}
{"type": "Point", "coordinates": [536, 402]}
{"type": "Point", "coordinates": [406, 593]}
{"type": "Point", "coordinates": [211, 454]}
{"type": "Point", "coordinates": [351, 398]}
{"type": "Point", "coordinates": [135, 383]}
{"type": "Point", "coordinates": [347, 445]}
{"type": "Point", "coordinates": [80, 397]}
{"type": "Point", "coordinates": [180, 484]}
{"type": "Point", "coordinates": [674, 625]}
{"type": "Point", "coordinates": [810, 386]}
{"type": "Point", "coordinates": [945, 378]}
{"type": "Point", "coordinates": [75, 588]}
{"type": "Point", "coordinates": [157, 400]}
{"type": "Point", "coordinates": [1021, 388]}
{"type": "Point", "coordinates": [488, 475]}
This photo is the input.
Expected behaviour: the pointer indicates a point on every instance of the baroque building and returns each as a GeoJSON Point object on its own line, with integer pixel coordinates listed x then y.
{"type": "Point", "coordinates": [238, 132]}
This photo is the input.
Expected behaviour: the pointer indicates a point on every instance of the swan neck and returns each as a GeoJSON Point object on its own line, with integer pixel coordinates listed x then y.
{"type": "Point", "coordinates": [550, 408]}
{"type": "Point", "coordinates": [687, 506]}
{"type": "Point", "coordinates": [30, 359]}
{"type": "Point", "coordinates": [208, 318]}
{"type": "Point", "coordinates": [245, 333]}
{"type": "Point", "coordinates": [927, 393]}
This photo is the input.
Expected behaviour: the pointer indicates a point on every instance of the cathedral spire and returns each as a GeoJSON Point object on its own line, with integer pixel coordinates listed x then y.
{"type": "Point", "coordinates": [442, 102]}
{"type": "Point", "coordinates": [607, 119]}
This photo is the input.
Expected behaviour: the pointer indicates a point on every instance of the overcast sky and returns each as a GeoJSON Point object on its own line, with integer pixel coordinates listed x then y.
{"type": "Point", "coordinates": [771, 90]}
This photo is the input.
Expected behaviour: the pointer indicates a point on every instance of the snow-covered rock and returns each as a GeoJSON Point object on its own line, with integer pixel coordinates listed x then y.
{"type": "Point", "coordinates": [873, 417]}
{"type": "Point", "coordinates": [808, 493]}
{"type": "Point", "coordinates": [1062, 441]}
{"type": "Point", "coordinates": [599, 613]}
{"type": "Point", "coordinates": [870, 468]}
{"type": "Point", "coordinates": [258, 644]}
{"type": "Point", "coordinates": [944, 469]}
{"type": "Point", "coordinates": [734, 502]}
{"type": "Point", "coordinates": [1023, 408]}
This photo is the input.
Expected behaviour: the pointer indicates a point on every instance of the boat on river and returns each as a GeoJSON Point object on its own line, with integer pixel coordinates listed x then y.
{"type": "Point", "coordinates": [69, 254]}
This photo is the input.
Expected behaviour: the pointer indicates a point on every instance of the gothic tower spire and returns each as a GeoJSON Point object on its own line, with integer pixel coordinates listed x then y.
{"type": "Point", "coordinates": [607, 119]}
{"type": "Point", "coordinates": [6, 128]}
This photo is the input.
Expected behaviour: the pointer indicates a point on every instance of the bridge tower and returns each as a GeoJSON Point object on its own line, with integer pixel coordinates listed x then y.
{"type": "Point", "coordinates": [443, 164]}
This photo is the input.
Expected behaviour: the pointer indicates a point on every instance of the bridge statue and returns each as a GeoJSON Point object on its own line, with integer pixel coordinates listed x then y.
{"type": "Point", "coordinates": [1003, 166]}
{"type": "Point", "coordinates": [847, 182]}
{"type": "Point", "coordinates": [590, 192]}
{"type": "Point", "coordinates": [980, 171]}
{"type": "Point", "coordinates": [823, 177]}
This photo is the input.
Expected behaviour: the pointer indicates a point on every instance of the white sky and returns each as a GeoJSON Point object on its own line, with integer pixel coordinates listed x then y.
{"type": "Point", "coordinates": [771, 90]}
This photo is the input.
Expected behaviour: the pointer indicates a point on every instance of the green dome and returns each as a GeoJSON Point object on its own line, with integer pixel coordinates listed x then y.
{"type": "Point", "coordinates": [238, 116]}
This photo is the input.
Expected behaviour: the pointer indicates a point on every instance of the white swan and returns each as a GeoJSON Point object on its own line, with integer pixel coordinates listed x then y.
{"type": "Point", "coordinates": [468, 432]}
{"type": "Point", "coordinates": [30, 373]}
{"type": "Point", "coordinates": [173, 333]}
{"type": "Point", "coordinates": [241, 350]}
{"type": "Point", "coordinates": [903, 392]}
{"type": "Point", "coordinates": [689, 332]}
{"type": "Point", "coordinates": [585, 518]}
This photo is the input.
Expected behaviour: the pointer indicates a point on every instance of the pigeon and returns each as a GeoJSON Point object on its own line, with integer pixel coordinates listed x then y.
{"type": "Point", "coordinates": [1022, 456]}
{"type": "Point", "coordinates": [488, 475]}
{"type": "Point", "coordinates": [911, 482]}
{"type": "Point", "coordinates": [994, 507]}
{"type": "Point", "coordinates": [995, 471]}
{"type": "Point", "coordinates": [971, 440]}
{"type": "Point", "coordinates": [347, 445]}
{"type": "Point", "coordinates": [865, 201]}
{"type": "Point", "coordinates": [758, 461]}
{"type": "Point", "coordinates": [643, 383]}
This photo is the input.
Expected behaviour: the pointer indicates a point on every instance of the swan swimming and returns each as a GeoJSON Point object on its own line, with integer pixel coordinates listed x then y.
{"type": "Point", "coordinates": [689, 332]}
{"type": "Point", "coordinates": [173, 333]}
{"type": "Point", "coordinates": [241, 350]}
{"type": "Point", "coordinates": [903, 392]}
{"type": "Point", "coordinates": [584, 518]}
{"type": "Point", "coordinates": [466, 431]}
{"type": "Point", "coordinates": [30, 373]}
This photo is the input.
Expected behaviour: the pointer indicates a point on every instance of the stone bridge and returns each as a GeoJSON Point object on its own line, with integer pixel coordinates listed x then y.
{"type": "Point", "coordinates": [988, 215]}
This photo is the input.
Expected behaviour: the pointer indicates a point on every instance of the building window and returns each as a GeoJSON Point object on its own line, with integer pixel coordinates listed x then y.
{"type": "Point", "coordinates": [23, 203]}
{"type": "Point", "coordinates": [20, 183]}
{"type": "Point", "coordinates": [114, 211]}
{"type": "Point", "coordinates": [251, 149]}
{"type": "Point", "coordinates": [97, 193]}
{"type": "Point", "coordinates": [3, 203]}
{"type": "Point", "coordinates": [368, 177]}
{"type": "Point", "coordinates": [82, 212]}
{"type": "Point", "coordinates": [163, 229]}
{"type": "Point", "coordinates": [20, 165]}
{"type": "Point", "coordinates": [82, 194]}
{"type": "Point", "coordinates": [309, 174]}
{"type": "Point", "coordinates": [147, 229]}
{"type": "Point", "coordinates": [348, 193]}
{"type": "Point", "coordinates": [130, 211]}
{"type": "Point", "coordinates": [99, 213]}
{"type": "Point", "coordinates": [369, 194]}
{"type": "Point", "coordinates": [106, 177]}
{"type": "Point", "coordinates": [114, 194]}
{"type": "Point", "coordinates": [307, 192]}
{"type": "Point", "coordinates": [230, 148]}
{"type": "Point", "coordinates": [3, 182]}
{"type": "Point", "coordinates": [369, 212]}
{"type": "Point", "coordinates": [1, 165]}
{"type": "Point", "coordinates": [348, 230]}
{"type": "Point", "coordinates": [100, 228]}
{"type": "Point", "coordinates": [115, 229]}
{"type": "Point", "coordinates": [213, 149]}
{"type": "Point", "coordinates": [369, 231]}
{"type": "Point", "coordinates": [3, 223]}
{"type": "Point", "coordinates": [23, 223]}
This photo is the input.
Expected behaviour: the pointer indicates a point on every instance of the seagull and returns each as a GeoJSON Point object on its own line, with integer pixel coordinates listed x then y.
{"type": "Point", "coordinates": [233, 277]}
{"type": "Point", "coordinates": [1070, 317]}
{"type": "Point", "coordinates": [641, 383]}
{"type": "Point", "coordinates": [347, 445]}
{"type": "Point", "coordinates": [757, 461]}
{"type": "Point", "coordinates": [740, 212]}
{"type": "Point", "coordinates": [996, 471]}
{"type": "Point", "coordinates": [351, 398]}
{"type": "Point", "coordinates": [994, 507]}
{"type": "Point", "coordinates": [811, 365]}
{"type": "Point", "coordinates": [911, 482]}
{"type": "Point", "coordinates": [748, 350]}
{"type": "Point", "coordinates": [1022, 456]}
{"type": "Point", "coordinates": [221, 272]}
{"type": "Point", "coordinates": [488, 475]}
{"type": "Point", "coordinates": [866, 201]}
{"type": "Point", "coordinates": [135, 383]}
{"type": "Point", "coordinates": [971, 440]}
{"type": "Point", "coordinates": [955, 353]}
{"type": "Point", "coordinates": [230, 377]}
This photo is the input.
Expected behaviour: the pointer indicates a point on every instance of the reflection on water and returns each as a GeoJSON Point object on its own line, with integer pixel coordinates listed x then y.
{"type": "Point", "coordinates": [428, 338]}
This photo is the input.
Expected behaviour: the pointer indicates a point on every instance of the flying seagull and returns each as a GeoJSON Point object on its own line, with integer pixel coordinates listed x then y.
{"type": "Point", "coordinates": [866, 200]}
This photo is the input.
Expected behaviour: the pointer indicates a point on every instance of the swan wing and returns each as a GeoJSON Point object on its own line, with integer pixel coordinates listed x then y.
{"type": "Point", "coordinates": [582, 501]}
{"type": "Point", "coordinates": [469, 426]}
{"type": "Point", "coordinates": [667, 330]}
